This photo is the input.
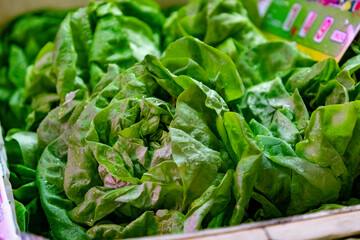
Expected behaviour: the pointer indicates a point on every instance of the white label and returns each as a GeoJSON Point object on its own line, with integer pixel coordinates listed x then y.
{"type": "Point", "coordinates": [291, 17]}
{"type": "Point", "coordinates": [309, 21]}
{"type": "Point", "coordinates": [323, 30]}
{"type": "Point", "coordinates": [8, 227]}
{"type": "Point", "coordinates": [338, 36]}
{"type": "Point", "coordinates": [263, 6]}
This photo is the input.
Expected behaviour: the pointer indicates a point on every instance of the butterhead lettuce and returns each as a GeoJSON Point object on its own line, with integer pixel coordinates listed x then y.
{"type": "Point", "coordinates": [129, 124]}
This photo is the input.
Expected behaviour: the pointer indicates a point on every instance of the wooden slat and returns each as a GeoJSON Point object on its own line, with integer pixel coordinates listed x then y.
{"type": "Point", "coordinates": [340, 223]}
{"type": "Point", "coordinates": [329, 227]}
{"type": "Point", "coordinates": [13, 8]}
{"type": "Point", "coordinates": [258, 234]}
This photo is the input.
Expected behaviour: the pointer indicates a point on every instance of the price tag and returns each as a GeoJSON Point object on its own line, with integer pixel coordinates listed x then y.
{"type": "Point", "coordinates": [309, 21]}
{"type": "Point", "coordinates": [321, 28]}
{"type": "Point", "coordinates": [324, 29]}
{"type": "Point", "coordinates": [291, 17]}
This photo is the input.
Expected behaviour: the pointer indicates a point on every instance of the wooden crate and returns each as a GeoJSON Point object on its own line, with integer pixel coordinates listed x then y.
{"type": "Point", "coordinates": [333, 224]}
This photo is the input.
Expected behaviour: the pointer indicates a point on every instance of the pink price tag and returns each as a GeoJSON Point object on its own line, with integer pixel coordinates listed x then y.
{"type": "Point", "coordinates": [309, 21]}
{"type": "Point", "coordinates": [323, 30]}
{"type": "Point", "coordinates": [338, 36]}
{"type": "Point", "coordinates": [293, 14]}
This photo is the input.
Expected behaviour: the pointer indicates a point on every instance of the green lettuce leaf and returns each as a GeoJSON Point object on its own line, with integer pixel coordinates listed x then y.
{"type": "Point", "coordinates": [213, 22]}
